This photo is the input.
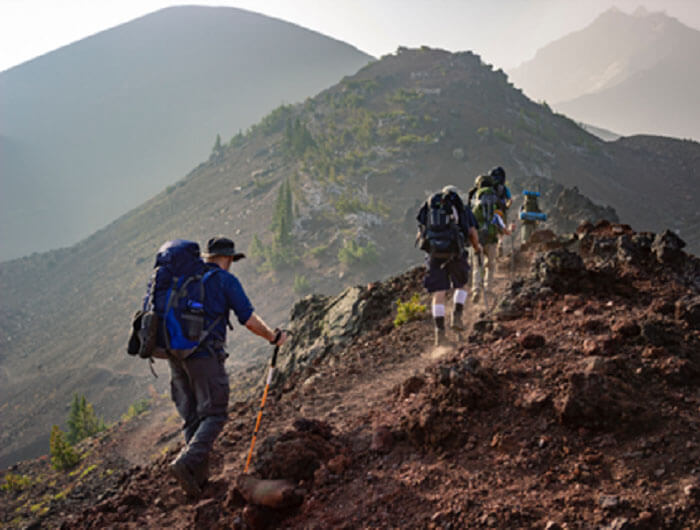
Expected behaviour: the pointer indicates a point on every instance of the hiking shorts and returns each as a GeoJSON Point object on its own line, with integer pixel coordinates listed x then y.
{"type": "Point", "coordinates": [443, 274]}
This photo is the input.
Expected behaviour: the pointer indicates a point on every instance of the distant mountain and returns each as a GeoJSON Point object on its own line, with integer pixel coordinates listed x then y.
{"type": "Point", "coordinates": [320, 195]}
{"type": "Point", "coordinates": [633, 74]}
{"type": "Point", "coordinates": [93, 129]}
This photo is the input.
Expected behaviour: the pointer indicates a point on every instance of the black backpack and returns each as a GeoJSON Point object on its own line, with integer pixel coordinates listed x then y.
{"type": "Point", "coordinates": [441, 237]}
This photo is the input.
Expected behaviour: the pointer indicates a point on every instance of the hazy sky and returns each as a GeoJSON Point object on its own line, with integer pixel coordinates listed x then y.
{"type": "Point", "coordinates": [503, 32]}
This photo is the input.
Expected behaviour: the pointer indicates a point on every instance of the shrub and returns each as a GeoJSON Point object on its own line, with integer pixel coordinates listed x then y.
{"type": "Point", "coordinates": [408, 139]}
{"type": "Point", "coordinates": [354, 254]}
{"type": "Point", "coordinates": [319, 251]}
{"type": "Point", "coordinates": [301, 284]}
{"type": "Point", "coordinates": [137, 408]}
{"type": "Point", "coordinates": [409, 311]}
{"type": "Point", "coordinates": [63, 456]}
{"type": "Point", "coordinates": [16, 482]}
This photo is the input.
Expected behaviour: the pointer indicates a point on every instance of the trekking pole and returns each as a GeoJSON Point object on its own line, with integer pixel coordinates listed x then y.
{"type": "Point", "coordinates": [512, 255]}
{"type": "Point", "coordinates": [270, 375]}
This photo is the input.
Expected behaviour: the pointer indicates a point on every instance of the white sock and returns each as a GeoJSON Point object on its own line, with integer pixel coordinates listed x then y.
{"type": "Point", "coordinates": [460, 296]}
{"type": "Point", "coordinates": [438, 310]}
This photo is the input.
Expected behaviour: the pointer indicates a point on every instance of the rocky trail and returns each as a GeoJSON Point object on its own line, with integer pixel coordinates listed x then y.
{"type": "Point", "coordinates": [574, 405]}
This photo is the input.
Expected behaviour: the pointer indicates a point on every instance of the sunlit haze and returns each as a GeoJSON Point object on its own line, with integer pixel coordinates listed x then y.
{"type": "Point", "coordinates": [504, 32]}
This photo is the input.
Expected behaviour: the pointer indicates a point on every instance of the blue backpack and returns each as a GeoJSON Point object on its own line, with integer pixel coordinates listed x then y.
{"type": "Point", "coordinates": [173, 311]}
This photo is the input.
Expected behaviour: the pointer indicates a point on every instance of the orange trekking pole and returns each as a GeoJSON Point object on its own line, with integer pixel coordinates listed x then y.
{"type": "Point", "coordinates": [270, 375]}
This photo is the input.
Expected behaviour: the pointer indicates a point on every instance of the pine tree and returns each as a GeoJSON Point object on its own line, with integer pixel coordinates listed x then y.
{"type": "Point", "coordinates": [63, 456]}
{"type": "Point", "coordinates": [82, 420]}
{"type": "Point", "coordinates": [217, 144]}
{"type": "Point", "coordinates": [283, 217]}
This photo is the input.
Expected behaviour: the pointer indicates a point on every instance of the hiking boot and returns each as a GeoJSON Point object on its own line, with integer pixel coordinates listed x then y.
{"type": "Point", "coordinates": [185, 478]}
{"type": "Point", "coordinates": [440, 337]}
{"type": "Point", "coordinates": [201, 473]}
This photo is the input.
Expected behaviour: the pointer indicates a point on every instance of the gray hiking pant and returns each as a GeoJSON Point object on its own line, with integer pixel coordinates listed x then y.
{"type": "Point", "coordinates": [200, 389]}
{"type": "Point", "coordinates": [489, 268]}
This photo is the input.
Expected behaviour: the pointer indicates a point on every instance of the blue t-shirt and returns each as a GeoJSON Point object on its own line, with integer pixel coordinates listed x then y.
{"type": "Point", "coordinates": [223, 293]}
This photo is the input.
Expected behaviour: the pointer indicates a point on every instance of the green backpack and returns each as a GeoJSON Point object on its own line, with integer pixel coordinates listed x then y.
{"type": "Point", "coordinates": [484, 208]}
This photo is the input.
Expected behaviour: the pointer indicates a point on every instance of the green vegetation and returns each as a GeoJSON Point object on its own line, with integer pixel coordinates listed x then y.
{"type": "Point", "coordinates": [256, 249]}
{"type": "Point", "coordinates": [353, 254]}
{"type": "Point", "coordinates": [283, 215]}
{"type": "Point", "coordinates": [88, 470]}
{"type": "Point", "coordinates": [15, 482]}
{"type": "Point", "coordinates": [82, 420]}
{"type": "Point", "coordinates": [404, 95]}
{"type": "Point", "coordinates": [63, 456]}
{"type": "Point", "coordinates": [348, 203]}
{"type": "Point", "coordinates": [282, 251]}
{"type": "Point", "coordinates": [409, 139]}
{"type": "Point", "coordinates": [274, 121]}
{"type": "Point", "coordinates": [301, 284]}
{"type": "Point", "coordinates": [409, 311]}
{"type": "Point", "coordinates": [237, 140]}
{"type": "Point", "coordinates": [297, 138]}
{"type": "Point", "coordinates": [217, 145]}
{"type": "Point", "coordinates": [137, 408]}
{"type": "Point", "coordinates": [319, 251]}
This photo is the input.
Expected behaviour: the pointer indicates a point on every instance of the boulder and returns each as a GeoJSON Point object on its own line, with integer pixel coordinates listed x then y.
{"type": "Point", "coordinates": [599, 402]}
{"type": "Point", "coordinates": [667, 247]}
{"type": "Point", "coordinates": [561, 270]}
{"type": "Point", "coordinates": [270, 493]}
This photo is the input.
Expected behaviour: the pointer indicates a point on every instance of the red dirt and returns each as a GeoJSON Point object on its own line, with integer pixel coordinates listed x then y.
{"type": "Point", "coordinates": [574, 407]}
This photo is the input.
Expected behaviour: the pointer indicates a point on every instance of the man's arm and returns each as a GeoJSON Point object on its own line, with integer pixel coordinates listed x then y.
{"type": "Point", "coordinates": [258, 326]}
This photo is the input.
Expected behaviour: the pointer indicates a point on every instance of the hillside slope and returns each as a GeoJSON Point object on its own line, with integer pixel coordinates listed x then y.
{"type": "Point", "coordinates": [95, 128]}
{"type": "Point", "coordinates": [574, 405]}
{"type": "Point", "coordinates": [321, 195]}
{"type": "Point", "coordinates": [631, 73]}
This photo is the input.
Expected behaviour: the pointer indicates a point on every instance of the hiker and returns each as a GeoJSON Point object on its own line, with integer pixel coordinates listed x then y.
{"type": "Point", "coordinates": [490, 216]}
{"type": "Point", "coordinates": [498, 176]}
{"type": "Point", "coordinates": [199, 384]}
{"type": "Point", "coordinates": [444, 224]}
{"type": "Point", "coordinates": [530, 215]}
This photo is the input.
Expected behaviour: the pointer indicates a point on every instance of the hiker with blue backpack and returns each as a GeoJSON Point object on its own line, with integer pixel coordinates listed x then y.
{"type": "Point", "coordinates": [444, 225]}
{"type": "Point", "coordinates": [530, 215]}
{"type": "Point", "coordinates": [189, 300]}
{"type": "Point", "coordinates": [489, 211]}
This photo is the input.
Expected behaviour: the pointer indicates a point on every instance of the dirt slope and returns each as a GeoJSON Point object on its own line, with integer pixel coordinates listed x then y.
{"type": "Point", "coordinates": [574, 405]}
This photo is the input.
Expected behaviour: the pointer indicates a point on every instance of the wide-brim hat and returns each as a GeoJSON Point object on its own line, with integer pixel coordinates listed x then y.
{"type": "Point", "coordinates": [222, 246]}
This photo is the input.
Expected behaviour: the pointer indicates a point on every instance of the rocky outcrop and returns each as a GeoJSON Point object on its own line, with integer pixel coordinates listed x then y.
{"type": "Point", "coordinates": [324, 325]}
{"type": "Point", "coordinates": [566, 208]}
